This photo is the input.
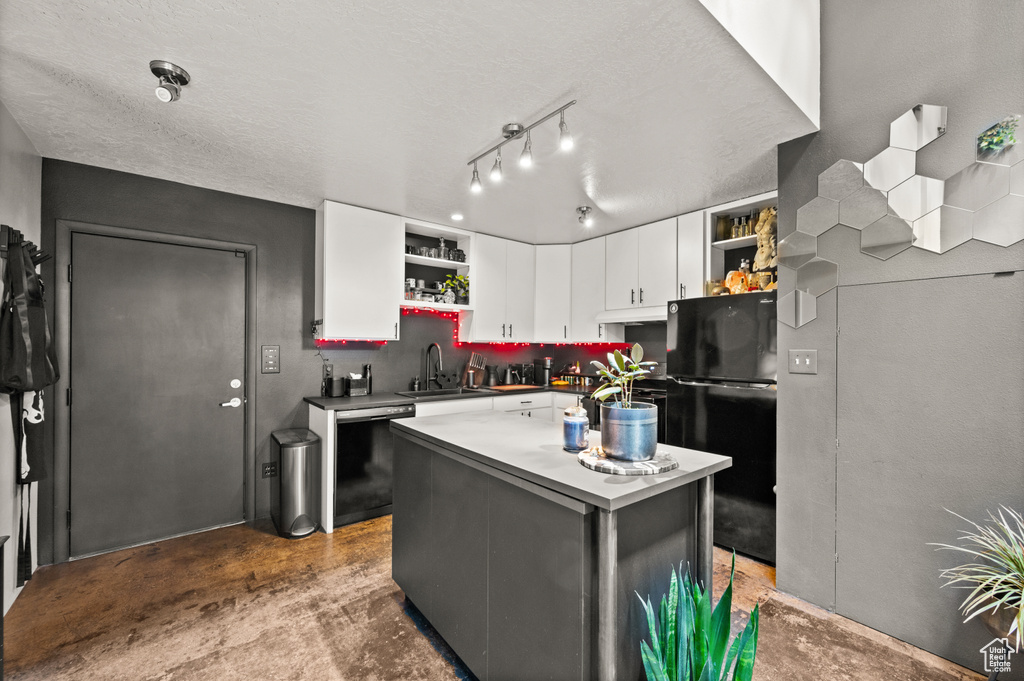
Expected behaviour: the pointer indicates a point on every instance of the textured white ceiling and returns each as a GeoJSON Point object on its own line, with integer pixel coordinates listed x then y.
{"type": "Point", "coordinates": [382, 104]}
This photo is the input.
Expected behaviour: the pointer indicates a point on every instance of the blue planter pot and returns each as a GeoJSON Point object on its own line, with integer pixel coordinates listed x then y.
{"type": "Point", "coordinates": [629, 434]}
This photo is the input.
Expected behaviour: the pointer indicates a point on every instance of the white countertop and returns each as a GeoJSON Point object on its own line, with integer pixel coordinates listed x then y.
{"type": "Point", "coordinates": [531, 449]}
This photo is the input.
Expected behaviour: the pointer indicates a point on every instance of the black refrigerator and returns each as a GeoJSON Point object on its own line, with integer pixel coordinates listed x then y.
{"type": "Point", "coordinates": [722, 370]}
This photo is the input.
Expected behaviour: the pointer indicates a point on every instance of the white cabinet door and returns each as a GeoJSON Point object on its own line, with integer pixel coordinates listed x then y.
{"type": "Point", "coordinates": [587, 290]}
{"type": "Point", "coordinates": [521, 274]}
{"type": "Point", "coordinates": [488, 289]}
{"type": "Point", "coordinates": [543, 413]}
{"type": "Point", "coordinates": [522, 402]}
{"type": "Point", "coordinates": [620, 283]}
{"type": "Point", "coordinates": [360, 264]}
{"type": "Point", "coordinates": [657, 263]}
{"type": "Point", "coordinates": [553, 294]}
{"type": "Point", "coordinates": [690, 256]}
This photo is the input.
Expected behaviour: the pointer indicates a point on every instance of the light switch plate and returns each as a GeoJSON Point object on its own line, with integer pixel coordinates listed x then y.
{"type": "Point", "coordinates": [271, 359]}
{"type": "Point", "coordinates": [803, 361]}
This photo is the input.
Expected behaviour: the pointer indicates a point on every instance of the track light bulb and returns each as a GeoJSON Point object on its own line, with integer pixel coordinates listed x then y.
{"type": "Point", "coordinates": [496, 169]}
{"type": "Point", "coordinates": [526, 158]}
{"type": "Point", "coordinates": [564, 138]}
{"type": "Point", "coordinates": [474, 184]}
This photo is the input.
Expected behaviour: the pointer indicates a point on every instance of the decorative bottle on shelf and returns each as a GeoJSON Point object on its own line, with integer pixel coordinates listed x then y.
{"type": "Point", "coordinates": [744, 229]}
{"type": "Point", "coordinates": [442, 251]}
{"type": "Point", "coordinates": [736, 233]}
{"type": "Point", "coordinates": [369, 379]}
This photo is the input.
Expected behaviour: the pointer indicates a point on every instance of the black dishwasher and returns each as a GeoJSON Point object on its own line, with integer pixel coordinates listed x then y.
{"type": "Point", "coordinates": [363, 462]}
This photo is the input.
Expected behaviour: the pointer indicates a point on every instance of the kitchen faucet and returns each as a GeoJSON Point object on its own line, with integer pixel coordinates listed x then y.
{"type": "Point", "coordinates": [436, 377]}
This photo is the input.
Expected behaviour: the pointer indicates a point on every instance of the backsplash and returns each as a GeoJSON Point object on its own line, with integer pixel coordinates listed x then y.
{"type": "Point", "coordinates": [396, 363]}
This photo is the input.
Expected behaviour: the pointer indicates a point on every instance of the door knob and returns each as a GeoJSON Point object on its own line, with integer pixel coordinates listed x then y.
{"type": "Point", "coordinates": [234, 402]}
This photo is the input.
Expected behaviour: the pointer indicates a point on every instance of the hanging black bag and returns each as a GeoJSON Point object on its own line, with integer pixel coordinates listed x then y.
{"type": "Point", "coordinates": [28, 360]}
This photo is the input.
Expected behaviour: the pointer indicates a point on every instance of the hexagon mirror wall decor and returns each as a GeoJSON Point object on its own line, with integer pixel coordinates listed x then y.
{"type": "Point", "coordinates": [921, 125]}
{"type": "Point", "coordinates": [894, 208]}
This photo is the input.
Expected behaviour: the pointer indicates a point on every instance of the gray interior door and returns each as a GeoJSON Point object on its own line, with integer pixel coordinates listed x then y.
{"type": "Point", "coordinates": [926, 421]}
{"type": "Point", "coordinates": [157, 338]}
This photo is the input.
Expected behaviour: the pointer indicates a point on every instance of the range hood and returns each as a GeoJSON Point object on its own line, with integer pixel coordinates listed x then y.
{"type": "Point", "coordinates": [634, 314]}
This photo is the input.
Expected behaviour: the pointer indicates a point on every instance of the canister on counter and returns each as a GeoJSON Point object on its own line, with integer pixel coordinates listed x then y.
{"type": "Point", "coordinates": [575, 428]}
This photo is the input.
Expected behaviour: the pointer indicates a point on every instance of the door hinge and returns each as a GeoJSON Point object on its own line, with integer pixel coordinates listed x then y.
{"type": "Point", "coordinates": [69, 518]}
{"type": "Point", "coordinates": [837, 443]}
{"type": "Point", "coordinates": [68, 397]}
{"type": "Point", "coordinates": [69, 273]}
{"type": "Point", "coordinates": [837, 557]}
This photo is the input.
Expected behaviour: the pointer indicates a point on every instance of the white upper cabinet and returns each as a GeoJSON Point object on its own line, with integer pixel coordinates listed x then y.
{"type": "Point", "coordinates": [621, 282]}
{"type": "Point", "coordinates": [359, 270]}
{"type": "Point", "coordinates": [641, 266]}
{"type": "Point", "coordinates": [520, 274]}
{"type": "Point", "coordinates": [553, 294]}
{"type": "Point", "coordinates": [488, 289]}
{"type": "Point", "coordinates": [588, 275]}
{"type": "Point", "coordinates": [690, 256]}
{"type": "Point", "coordinates": [657, 264]}
{"type": "Point", "coordinates": [502, 292]}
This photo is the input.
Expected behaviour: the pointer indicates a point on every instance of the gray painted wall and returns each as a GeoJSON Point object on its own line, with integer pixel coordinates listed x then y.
{"type": "Point", "coordinates": [893, 476]}
{"type": "Point", "coordinates": [20, 177]}
{"type": "Point", "coordinates": [283, 236]}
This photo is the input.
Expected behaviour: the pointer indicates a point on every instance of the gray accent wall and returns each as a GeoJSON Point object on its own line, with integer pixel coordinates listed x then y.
{"type": "Point", "coordinates": [917, 403]}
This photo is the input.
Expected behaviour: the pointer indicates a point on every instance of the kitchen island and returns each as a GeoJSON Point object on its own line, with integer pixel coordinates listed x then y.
{"type": "Point", "coordinates": [525, 561]}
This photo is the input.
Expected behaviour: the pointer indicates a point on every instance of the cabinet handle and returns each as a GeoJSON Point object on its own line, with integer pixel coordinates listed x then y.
{"type": "Point", "coordinates": [682, 291]}
{"type": "Point", "coordinates": [565, 331]}
{"type": "Point", "coordinates": [599, 330]}
{"type": "Point", "coordinates": [502, 330]}
{"type": "Point", "coordinates": [510, 329]}
{"type": "Point", "coordinates": [632, 296]}
{"type": "Point", "coordinates": [396, 330]}
{"type": "Point", "coordinates": [641, 296]}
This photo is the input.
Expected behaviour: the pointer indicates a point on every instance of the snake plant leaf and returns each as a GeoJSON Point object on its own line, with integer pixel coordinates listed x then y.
{"type": "Point", "coordinates": [702, 620]}
{"type": "Point", "coordinates": [745, 663]}
{"type": "Point", "coordinates": [721, 621]}
{"type": "Point", "coordinates": [672, 627]}
{"type": "Point", "coordinates": [652, 665]}
{"type": "Point", "coordinates": [636, 353]}
{"type": "Point", "coordinates": [652, 627]}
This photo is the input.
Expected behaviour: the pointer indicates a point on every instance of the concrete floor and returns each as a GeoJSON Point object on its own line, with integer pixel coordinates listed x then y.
{"type": "Point", "coordinates": [242, 603]}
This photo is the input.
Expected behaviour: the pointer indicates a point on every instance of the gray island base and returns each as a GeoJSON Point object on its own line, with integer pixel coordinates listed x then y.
{"type": "Point", "coordinates": [526, 562]}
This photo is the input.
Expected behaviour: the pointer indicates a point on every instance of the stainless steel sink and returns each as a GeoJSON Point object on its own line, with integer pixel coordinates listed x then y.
{"type": "Point", "coordinates": [439, 392]}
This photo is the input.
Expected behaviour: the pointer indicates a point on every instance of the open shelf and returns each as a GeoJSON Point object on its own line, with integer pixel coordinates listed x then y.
{"type": "Point", "coordinates": [732, 244]}
{"type": "Point", "coordinates": [434, 262]}
{"type": "Point", "coordinates": [438, 307]}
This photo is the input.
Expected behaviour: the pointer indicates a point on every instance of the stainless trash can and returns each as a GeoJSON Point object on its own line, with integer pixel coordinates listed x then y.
{"type": "Point", "coordinates": [295, 495]}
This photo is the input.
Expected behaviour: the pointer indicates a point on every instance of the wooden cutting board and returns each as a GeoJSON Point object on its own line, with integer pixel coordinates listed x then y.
{"type": "Point", "coordinates": [514, 387]}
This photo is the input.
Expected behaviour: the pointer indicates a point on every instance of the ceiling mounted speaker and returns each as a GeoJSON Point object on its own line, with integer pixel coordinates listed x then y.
{"type": "Point", "coordinates": [172, 79]}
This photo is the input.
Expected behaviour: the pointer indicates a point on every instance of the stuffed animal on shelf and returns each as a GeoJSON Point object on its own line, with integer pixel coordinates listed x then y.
{"type": "Point", "coordinates": [765, 230]}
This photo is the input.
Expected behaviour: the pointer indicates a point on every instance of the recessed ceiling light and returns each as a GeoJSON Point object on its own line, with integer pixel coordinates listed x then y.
{"type": "Point", "coordinates": [457, 217]}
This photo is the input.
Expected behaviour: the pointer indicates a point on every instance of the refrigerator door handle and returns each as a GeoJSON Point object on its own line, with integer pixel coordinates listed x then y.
{"type": "Point", "coordinates": [709, 384]}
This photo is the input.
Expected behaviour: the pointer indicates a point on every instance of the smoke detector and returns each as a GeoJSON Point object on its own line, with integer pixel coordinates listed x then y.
{"type": "Point", "coordinates": [172, 79]}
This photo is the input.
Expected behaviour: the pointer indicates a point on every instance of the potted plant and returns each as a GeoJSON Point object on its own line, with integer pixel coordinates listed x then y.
{"type": "Point", "coordinates": [629, 430]}
{"type": "Point", "coordinates": [996, 574]}
{"type": "Point", "coordinates": [458, 284]}
{"type": "Point", "coordinates": [690, 641]}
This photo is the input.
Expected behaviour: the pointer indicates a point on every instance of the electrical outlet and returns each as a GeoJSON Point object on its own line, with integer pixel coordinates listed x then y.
{"type": "Point", "coordinates": [270, 469]}
{"type": "Point", "coordinates": [328, 371]}
{"type": "Point", "coordinates": [803, 361]}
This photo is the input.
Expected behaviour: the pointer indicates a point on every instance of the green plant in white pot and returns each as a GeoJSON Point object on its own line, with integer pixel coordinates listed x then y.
{"type": "Point", "coordinates": [629, 430]}
{"type": "Point", "coordinates": [995, 575]}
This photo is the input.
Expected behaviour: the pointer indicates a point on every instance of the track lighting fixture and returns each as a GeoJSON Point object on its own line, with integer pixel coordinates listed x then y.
{"type": "Point", "coordinates": [584, 216]}
{"type": "Point", "coordinates": [513, 131]}
{"type": "Point", "coordinates": [526, 158]}
{"type": "Point", "coordinates": [172, 78]}
{"type": "Point", "coordinates": [564, 138]}
{"type": "Point", "coordinates": [496, 169]}
{"type": "Point", "coordinates": [474, 184]}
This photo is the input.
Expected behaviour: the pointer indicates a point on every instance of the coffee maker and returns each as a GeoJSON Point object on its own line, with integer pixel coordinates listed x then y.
{"type": "Point", "coordinates": [542, 370]}
{"type": "Point", "coordinates": [524, 372]}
